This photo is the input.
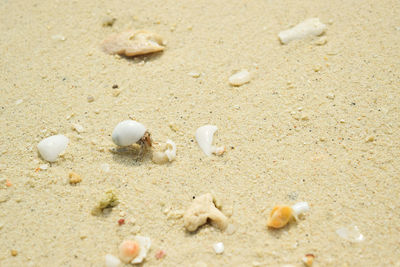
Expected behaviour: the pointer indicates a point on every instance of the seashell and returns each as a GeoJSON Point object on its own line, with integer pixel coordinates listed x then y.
{"type": "Point", "coordinates": [128, 132]}
{"type": "Point", "coordinates": [204, 137]}
{"type": "Point", "coordinates": [300, 208]}
{"type": "Point", "coordinates": [51, 147]}
{"type": "Point", "coordinates": [133, 43]}
{"type": "Point", "coordinates": [128, 250]}
{"type": "Point", "coordinates": [144, 244]}
{"type": "Point", "coordinates": [309, 27]}
{"type": "Point", "coordinates": [167, 153]}
{"type": "Point", "coordinates": [239, 78]}
{"type": "Point", "coordinates": [279, 216]}
{"type": "Point", "coordinates": [112, 261]}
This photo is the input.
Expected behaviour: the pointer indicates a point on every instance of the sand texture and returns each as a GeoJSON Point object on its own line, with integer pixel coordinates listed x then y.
{"type": "Point", "coordinates": [318, 122]}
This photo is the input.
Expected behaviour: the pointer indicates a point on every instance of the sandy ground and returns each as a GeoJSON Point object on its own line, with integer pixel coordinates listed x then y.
{"type": "Point", "coordinates": [286, 140]}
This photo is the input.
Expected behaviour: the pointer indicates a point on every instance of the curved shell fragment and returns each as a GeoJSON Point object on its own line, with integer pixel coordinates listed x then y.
{"type": "Point", "coordinates": [133, 43]}
{"type": "Point", "coordinates": [51, 147]}
{"type": "Point", "coordinates": [167, 153]}
{"type": "Point", "coordinates": [204, 137]}
{"type": "Point", "coordinates": [239, 78]}
{"type": "Point", "coordinates": [307, 28]}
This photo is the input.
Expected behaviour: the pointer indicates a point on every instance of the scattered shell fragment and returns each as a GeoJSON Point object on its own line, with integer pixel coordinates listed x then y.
{"type": "Point", "coordinates": [112, 261]}
{"type": "Point", "coordinates": [350, 233]}
{"type": "Point", "coordinates": [74, 178]}
{"type": "Point", "coordinates": [239, 78]}
{"type": "Point", "coordinates": [77, 128]}
{"type": "Point", "coordinates": [58, 37]}
{"type": "Point", "coordinates": [307, 28]}
{"type": "Point", "coordinates": [166, 154]}
{"type": "Point", "coordinates": [128, 132]}
{"type": "Point", "coordinates": [281, 215]}
{"type": "Point", "coordinates": [308, 260]}
{"type": "Point", "coordinates": [128, 250]}
{"type": "Point", "coordinates": [134, 251]}
{"type": "Point", "coordinates": [108, 21]}
{"type": "Point", "coordinates": [204, 137]}
{"type": "Point", "coordinates": [108, 201]}
{"type": "Point", "coordinates": [90, 98]}
{"type": "Point", "coordinates": [133, 43]}
{"type": "Point", "coordinates": [219, 248]}
{"type": "Point", "coordinates": [51, 147]}
{"type": "Point", "coordinates": [44, 166]}
{"type": "Point", "coordinates": [201, 210]}
{"type": "Point", "coordinates": [321, 41]}
{"type": "Point", "coordinates": [194, 74]}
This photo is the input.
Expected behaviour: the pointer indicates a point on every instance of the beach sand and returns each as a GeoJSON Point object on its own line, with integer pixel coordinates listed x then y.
{"type": "Point", "coordinates": [316, 123]}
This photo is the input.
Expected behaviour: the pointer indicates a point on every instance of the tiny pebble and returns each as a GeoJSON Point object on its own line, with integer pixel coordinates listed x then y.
{"type": "Point", "coordinates": [219, 248]}
{"type": "Point", "coordinates": [90, 98]}
{"type": "Point", "coordinates": [160, 254]}
{"type": "Point", "coordinates": [74, 178]}
{"type": "Point", "coordinates": [14, 252]}
{"type": "Point", "coordinates": [239, 78]}
{"type": "Point", "coordinates": [330, 96]}
{"type": "Point", "coordinates": [194, 74]}
{"type": "Point", "coordinates": [78, 128]}
{"type": "Point", "coordinates": [19, 101]}
{"type": "Point", "coordinates": [121, 222]}
{"type": "Point", "coordinates": [58, 37]}
{"type": "Point", "coordinates": [115, 86]}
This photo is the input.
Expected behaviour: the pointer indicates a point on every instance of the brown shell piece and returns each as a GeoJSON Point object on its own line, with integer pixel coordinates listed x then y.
{"type": "Point", "coordinates": [279, 216]}
{"type": "Point", "coordinates": [133, 43]}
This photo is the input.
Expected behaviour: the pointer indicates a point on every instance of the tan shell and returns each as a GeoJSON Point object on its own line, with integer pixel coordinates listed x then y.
{"type": "Point", "coordinates": [201, 210]}
{"type": "Point", "coordinates": [132, 43]}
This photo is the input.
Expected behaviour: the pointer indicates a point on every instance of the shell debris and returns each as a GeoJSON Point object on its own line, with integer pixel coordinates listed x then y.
{"type": "Point", "coordinates": [281, 215]}
{"type": "Point", "coordinates": [350, 233]}
{"type": "Point", "coordinates": [309, 27]}
{"type": "Point", "coordinates": [134, 251]}
{"type": "Point", "coordinates": [239, 78]}
{"type": "Point", "coordinates": [203, 209]}
{"type": "Point", "coordinates": [219, 248]}
{"type": "Point", "coordinates": [133, 43]}
{"type": "Point", "coordinates": [109, 200]}
{"type": "Point", "coordinates": [166, 154]}
{"type": "Point", "coordinates": [51, 147]}
{"type": "Point", "coordinates": [74, 178]}
{"type": "Point", "coordinates": [204, 137]}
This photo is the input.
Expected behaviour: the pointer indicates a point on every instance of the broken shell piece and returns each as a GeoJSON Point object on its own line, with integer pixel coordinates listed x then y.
{"type": "Point", "coordinates": [133, 43]}
{"type": "Point", "coordinates": [112, 261]}
{"type": "Point", "coordinates": [239, 78]}
{"type": "Point", "coordinates": [144, 245]}
{"type": "Point", "coordinates": [167, 153]}
{"type": "Point", "coordinates": [351, 233]}
{"type": "Point", "coordinates": [51, 147]}
{"type": "Point", "coordinates": [309, 27]}
{"type": "Point", "coordinates": [201, 210]}
{"type": "Point", "coordinates": [74, 178]}
{"type": "Point", "coordinates": [204, 137]}
{"type": "Point", "coordinates": [128, 132]}
{"type": "Point", "coordinates": [281, 215]}
{"type": "Point", "coordinates": [219, 248]}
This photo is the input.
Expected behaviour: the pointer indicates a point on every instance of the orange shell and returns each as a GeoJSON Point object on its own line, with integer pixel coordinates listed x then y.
{"type": "Point", "coordinates": [279, 216]}
{"type": "Point", "coordinates": [128, 250]}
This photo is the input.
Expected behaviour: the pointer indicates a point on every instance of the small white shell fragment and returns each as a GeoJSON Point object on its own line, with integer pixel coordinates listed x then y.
{"type": "Point", "coordinates": [167, 153]}
{"type": "Point", "coordinates": [204, 137]}
{"type": "Point", "coordinates": [19, 101]}
{"type": "Point", "coordinates": [78, 128]}
{"type": "Point", "coordinates": [51, 147]}
{"type": "Point", "coordinates": [145, 244]}
{"type": "Point", "coordinates": [58, 37]}
{"type": "Point", "coordinates": [219, 247]}
{"type": "Point", "coordinates": [309, 27]}
{"type": "Point", "coordinates": [128, 132]}
{"type": "Point", "coordinates": [44, 166]}
{"type": "Point", "coordinates": [239, 78]}
{"type": "Point", "coordinates": [351, 233]}
{"type": "Point", "coordinates": [300, 208]}
{"type": "Point", "coordinates": [112, 261]}
{"type": "Point", "coordinates": [194, 74]}
{"type": "Point", "coordinates": [133, 43]}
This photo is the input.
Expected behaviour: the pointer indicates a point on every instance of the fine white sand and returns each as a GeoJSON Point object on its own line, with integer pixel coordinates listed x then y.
{"type": "Point", "coordinates": [316, 123]}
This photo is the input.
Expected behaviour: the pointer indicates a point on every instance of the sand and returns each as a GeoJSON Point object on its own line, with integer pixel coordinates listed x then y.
{"type": "Point", "coordinates": [316, 123]}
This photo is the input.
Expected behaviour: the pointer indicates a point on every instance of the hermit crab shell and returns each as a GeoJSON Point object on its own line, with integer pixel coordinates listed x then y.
{"type": "Point", "coordinates": [133, 43]}
{"type": "Point", "coordinates": [128, 132]}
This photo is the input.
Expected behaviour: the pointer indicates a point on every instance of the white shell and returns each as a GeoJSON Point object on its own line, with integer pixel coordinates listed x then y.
{"type": "Point", "coordinates": [167, 154]}
{"type": "Point", "coordinates": [144, 244]}
{"type": "Point", "coordinates": [239, 78]}
{"type": "Point", "coordinates": [112, 261]}
{"type": "Point", "coordinates": [351, 234]}
{"type": "Point", "coordinates": [309, 27]}
{"type": "Point", "coordinates": [127, 133]}
{"type": "Point", "coordinates": [300, 208]}
{"type": "Point", "coordinates": [171, 150]}
{"type": "Point", "coordinates": [219, 248]}
{"type": "Point", "coordinates": [204, 137]}
{"type": "Point", "coordinates": [51, 147]}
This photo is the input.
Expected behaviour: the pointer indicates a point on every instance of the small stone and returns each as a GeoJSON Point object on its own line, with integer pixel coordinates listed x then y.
{"type": "Point", "coordinates": [239, 78]}
{"type": "Point", "coordinates": [370, 139]}
{"type": "Point", "coordinates": [77, 128]}
{"type": "Point", "coordinates": [90, 99]}
{"type": "Point", "coordinates": [219, 248]}
{"type": "Point", "coordinates": [108, 21]}
{"type": "Point", "coordinates": [74, 178]}
{"type": "Point", "coordinates": [14, 252]}
{"type": "Point", "coordinates": [115, 86]}
{"type": "Point", "coordinates": [116, 92]}
{"type": "Point", "coordinates": [194, 74]}
{"type": "Point", "coordinates": [58, 37]}
{"type": "Point", "coordinates": [330, 96]}
{"type": "Point", "coordinates": [321, 41]}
